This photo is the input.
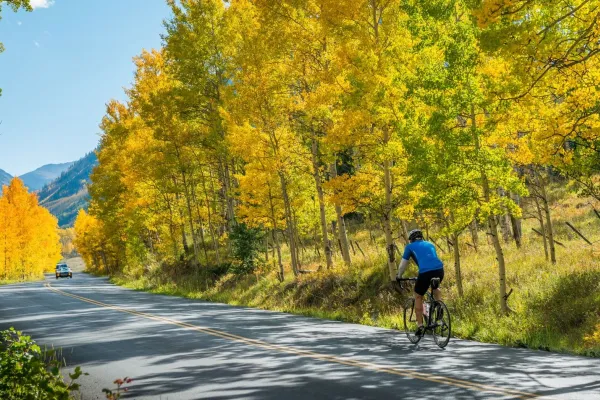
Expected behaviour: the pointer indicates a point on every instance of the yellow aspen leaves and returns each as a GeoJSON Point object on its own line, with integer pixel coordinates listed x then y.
{"type": "Point", "coordinates": [29, 239]}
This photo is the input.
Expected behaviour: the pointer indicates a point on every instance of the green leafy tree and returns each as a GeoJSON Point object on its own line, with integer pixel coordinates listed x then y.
{"type": "Point", "coordinates": [246, 244]}
{"type": "Point", "coordinates": [462, 157]}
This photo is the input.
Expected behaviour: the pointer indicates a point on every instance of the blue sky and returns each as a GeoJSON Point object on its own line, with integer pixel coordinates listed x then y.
{"type": "Point", "coordinates": [63, 62]}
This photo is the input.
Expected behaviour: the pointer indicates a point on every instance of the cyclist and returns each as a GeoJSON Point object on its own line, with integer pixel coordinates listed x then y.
{"type": "Point", "coordinates": [430, 266]}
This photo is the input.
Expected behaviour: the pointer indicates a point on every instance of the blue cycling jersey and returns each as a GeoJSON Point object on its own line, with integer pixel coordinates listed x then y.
{"type": "Point", "coordinates": [424, 255]}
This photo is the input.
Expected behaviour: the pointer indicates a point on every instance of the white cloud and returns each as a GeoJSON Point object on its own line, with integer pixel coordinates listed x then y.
{"type": "Point", "coordinates": [37, 44]}
{"type": "Point", "coordinates": [41, 3]}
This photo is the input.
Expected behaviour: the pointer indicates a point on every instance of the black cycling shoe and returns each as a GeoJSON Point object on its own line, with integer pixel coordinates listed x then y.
{"type": "Point", "coordinates": [420, 331]}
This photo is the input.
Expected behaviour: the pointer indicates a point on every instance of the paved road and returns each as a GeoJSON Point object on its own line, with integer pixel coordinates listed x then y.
{"type": "Point", "coordinates": [184, 349]}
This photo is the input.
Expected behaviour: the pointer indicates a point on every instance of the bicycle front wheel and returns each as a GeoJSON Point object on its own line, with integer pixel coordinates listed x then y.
{"type": "Point", "coordinates": [442, 326]}
{"type": "Point", "coordinates": [410, 321]}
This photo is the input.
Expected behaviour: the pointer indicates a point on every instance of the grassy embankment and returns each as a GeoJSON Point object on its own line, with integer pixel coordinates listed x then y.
{"type": "Point", "coordinates": [27, 279]}
{"type": "Point", "coordinates": [555, 307]}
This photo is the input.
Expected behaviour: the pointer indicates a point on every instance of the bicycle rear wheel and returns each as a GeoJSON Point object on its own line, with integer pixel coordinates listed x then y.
{"type": "Point", "coordinates": [442, 326]}
{"type": "Point", "coordinates": [410, 321]}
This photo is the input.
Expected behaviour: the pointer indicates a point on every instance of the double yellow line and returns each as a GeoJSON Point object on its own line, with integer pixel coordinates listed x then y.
{"type": "Point", "coordinates": [309, 354]}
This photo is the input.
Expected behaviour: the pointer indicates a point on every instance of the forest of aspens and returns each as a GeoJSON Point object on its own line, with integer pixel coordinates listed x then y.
{"type": "Point", "coordinates": [276, 153]}
{"type": "Point", "coordinates": [29, 235]}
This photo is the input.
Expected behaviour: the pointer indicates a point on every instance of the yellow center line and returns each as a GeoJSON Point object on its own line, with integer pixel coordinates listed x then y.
{"type": "Point", "coordinates": [309, 354]}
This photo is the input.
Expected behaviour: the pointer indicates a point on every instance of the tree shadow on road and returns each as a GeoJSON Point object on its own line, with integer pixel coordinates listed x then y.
{"type": "Point", "coordinates": [174, 362]}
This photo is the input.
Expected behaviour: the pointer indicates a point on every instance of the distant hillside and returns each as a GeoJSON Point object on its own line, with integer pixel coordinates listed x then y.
{"type": "Point", "coordinates": [35, 180]}
{"type": "Point", "coordinates": [4, 179]}
{"type": "Point", "coordinates": [66, 195]}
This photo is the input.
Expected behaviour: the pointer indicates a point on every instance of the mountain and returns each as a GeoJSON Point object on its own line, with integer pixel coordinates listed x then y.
{"type": "Point", "coordinates": [67, 194]}
{"type": "Point", "coordinates": [35, 180]}
{"type": "Point", "coordinates": [4, 179]}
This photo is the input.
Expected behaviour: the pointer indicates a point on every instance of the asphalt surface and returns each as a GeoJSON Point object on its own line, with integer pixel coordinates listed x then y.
{"type": "Point", "coordinates": [183, 349]}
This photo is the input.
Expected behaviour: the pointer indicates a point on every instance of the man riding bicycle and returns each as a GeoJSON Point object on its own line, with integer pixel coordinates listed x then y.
{"type": "Point", "coordinates": [430, 266]}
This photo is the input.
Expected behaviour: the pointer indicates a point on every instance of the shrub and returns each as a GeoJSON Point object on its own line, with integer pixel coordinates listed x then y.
{"type": "Point", "coordinates": [246, 244]}
{"type": "Point", "coordinates": [27, 372]}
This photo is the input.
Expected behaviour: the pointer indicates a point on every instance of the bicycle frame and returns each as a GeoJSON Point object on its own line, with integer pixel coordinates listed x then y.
{"type": "Point", "coordinates": [427, 298]}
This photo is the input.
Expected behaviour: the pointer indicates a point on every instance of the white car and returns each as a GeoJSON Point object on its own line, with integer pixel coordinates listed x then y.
{"type": "Point", "coordinates": [63, 271]}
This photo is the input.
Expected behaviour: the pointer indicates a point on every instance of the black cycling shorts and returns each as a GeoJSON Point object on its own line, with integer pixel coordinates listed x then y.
{"type": "Point", "coordinates": [424, 280]}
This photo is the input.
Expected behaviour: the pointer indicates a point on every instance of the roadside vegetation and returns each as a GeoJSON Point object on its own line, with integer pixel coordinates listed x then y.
{"type": "Point", "coordinates": [29, 372]}
{"type": "Point", "coordinates": [546, 313]}
{"type": "Point", "coordinates": [276, 154]}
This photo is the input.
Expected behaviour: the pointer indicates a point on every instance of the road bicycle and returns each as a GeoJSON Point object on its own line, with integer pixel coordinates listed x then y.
{"type": "Point", "coordinates": [436, 317]}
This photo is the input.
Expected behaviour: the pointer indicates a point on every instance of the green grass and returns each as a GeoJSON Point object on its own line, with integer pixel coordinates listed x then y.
{"type": "Point", "coordinates": [554, 307]}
